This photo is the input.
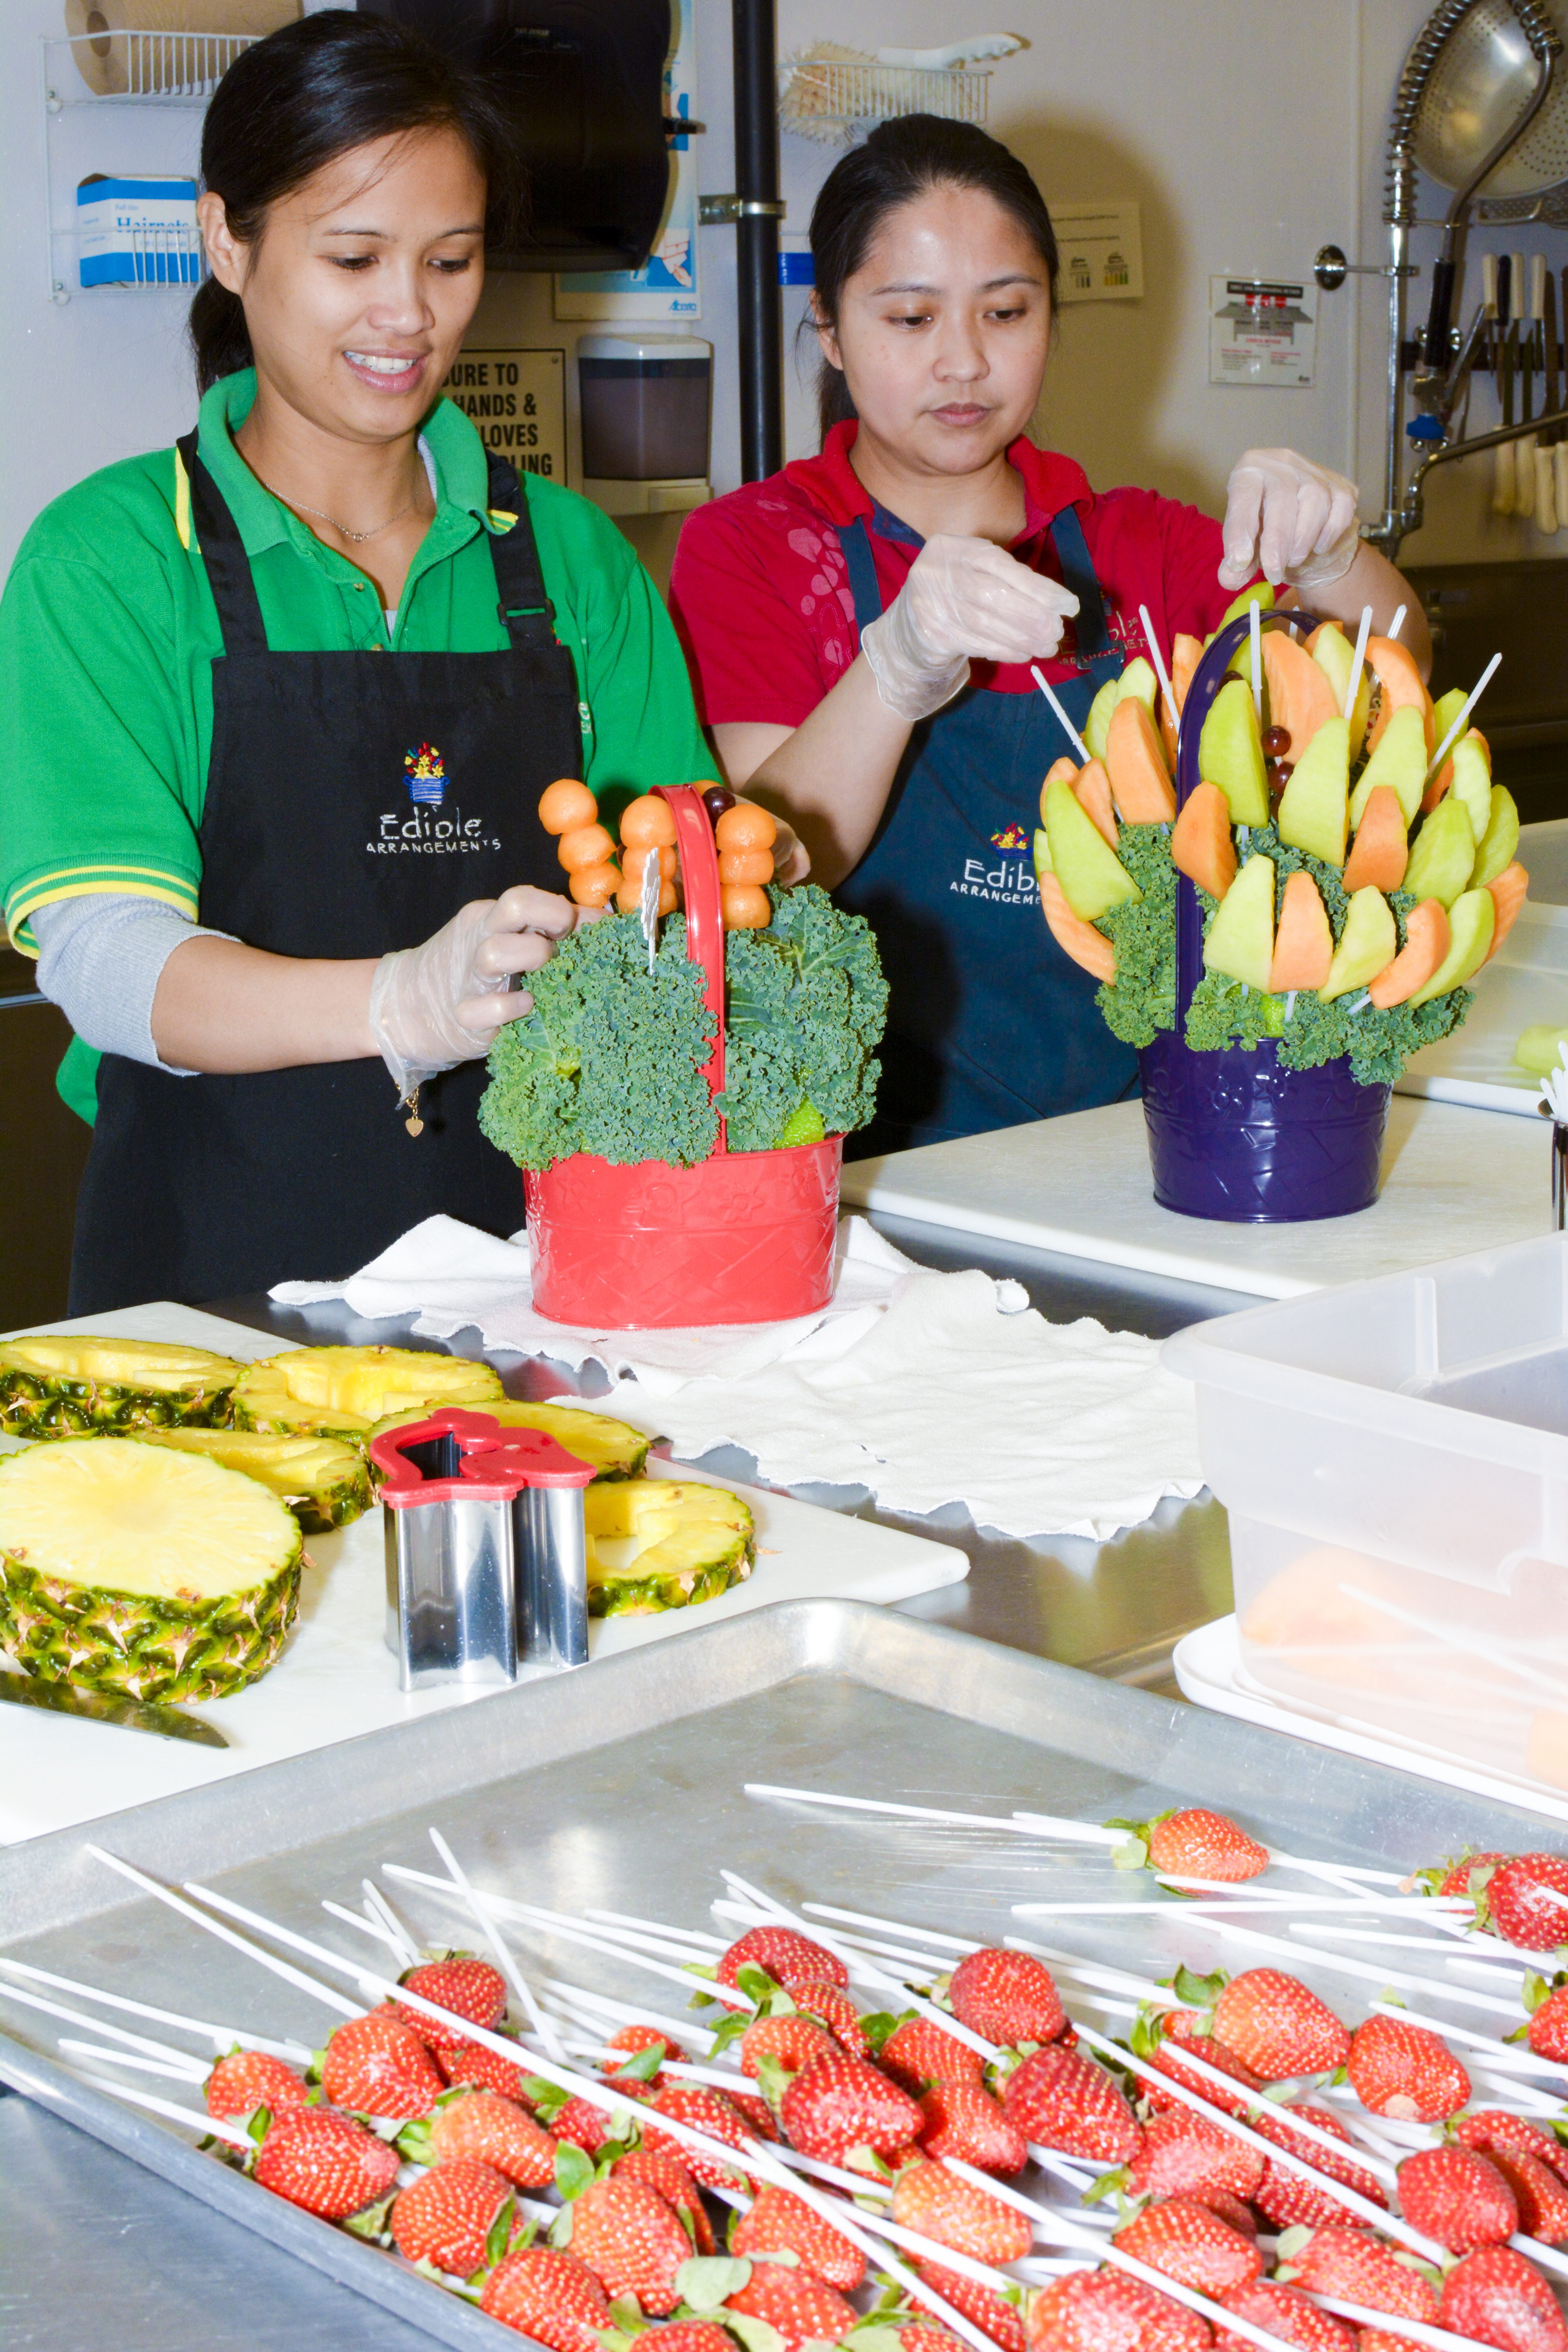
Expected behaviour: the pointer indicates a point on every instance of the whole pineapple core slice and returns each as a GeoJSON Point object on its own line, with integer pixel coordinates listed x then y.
{"type": "Point", "coordinates": [64, 1384]}
{"type": "Point", "coordinates": [325, 1483]}
{"type": "Point", "coordinates": [343, 1392]}
{"type": "Point", "coordinates": [659, 1543]}
{"type": "Point", "coordinates": [141, 1571]}
{"type": "Point", "coordinates": [615, 1448]}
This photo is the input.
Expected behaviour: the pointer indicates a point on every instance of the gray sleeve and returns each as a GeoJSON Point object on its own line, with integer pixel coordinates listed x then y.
{"type": "Point", "coordinates": [99, 960]}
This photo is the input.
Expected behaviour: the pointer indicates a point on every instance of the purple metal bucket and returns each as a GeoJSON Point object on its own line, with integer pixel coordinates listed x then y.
{"type": "Point", "coordinates": [1232, 1135]}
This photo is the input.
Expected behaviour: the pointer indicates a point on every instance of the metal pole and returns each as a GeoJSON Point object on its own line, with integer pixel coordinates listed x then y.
{"type": "Point", "coordinates": [757, 239]}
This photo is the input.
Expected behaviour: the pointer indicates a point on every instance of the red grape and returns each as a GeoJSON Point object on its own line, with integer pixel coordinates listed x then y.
{"type": "Point", "coordinates": [1275, 742]}
{"type": "Point", "coordinates": [716, 801]}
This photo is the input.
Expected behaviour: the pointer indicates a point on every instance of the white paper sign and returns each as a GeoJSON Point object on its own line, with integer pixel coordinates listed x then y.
{"type": "Point", "coordinates": [1100, 246]}
{"type": "Point", "coordinates": [516, 400]}
{"type": "Point", "coordinates": [1260, 332]}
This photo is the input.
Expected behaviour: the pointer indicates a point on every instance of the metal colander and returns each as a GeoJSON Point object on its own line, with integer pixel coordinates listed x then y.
{"type": "Point", "coordinates": [1480, 83]}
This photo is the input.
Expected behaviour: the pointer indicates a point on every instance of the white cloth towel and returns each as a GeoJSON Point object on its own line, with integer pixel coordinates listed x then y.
{"type": "Point", "coordinates": [927, 1387]}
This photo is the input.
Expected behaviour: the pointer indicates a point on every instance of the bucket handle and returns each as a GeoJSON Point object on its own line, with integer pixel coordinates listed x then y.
{"type": "Point", "coordinates": [698, 857]}
{"type": "Point", "coordinates": [1207, 679]}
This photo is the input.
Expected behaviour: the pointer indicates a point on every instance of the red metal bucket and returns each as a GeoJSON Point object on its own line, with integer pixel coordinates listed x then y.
{"type": "Point", "coordinates": [743, 1237]}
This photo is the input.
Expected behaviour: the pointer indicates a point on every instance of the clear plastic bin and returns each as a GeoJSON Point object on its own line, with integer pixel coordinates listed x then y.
{"type": "Point", "coordinates": [1393, 1456]}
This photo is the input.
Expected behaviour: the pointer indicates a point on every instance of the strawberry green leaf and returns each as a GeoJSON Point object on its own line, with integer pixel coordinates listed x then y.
{"type": "Point", "coordinates": [1131, 1854]}
{"type": "Point", "coordinates": [499, 2240]}
{"type": "Point", "coordinates": [561, 2228]}
{"type": "Point", "coordinates": [730, 2029]}
{"type": "Point", "coordinates": [1535, 1990]}
{"type": "Point", "coordinates": [1109, 2184]}
{"type": "Point", "coordinates": [643, 2067]}
{"type": "Point", "coordinates": [573, 2170]}
{"type": "Point", "coordinates": [371, 2222]}
{"type": "Point", "coordinates": [756, 2334]}
{"type": "Point", "coordinates": [773, 2078]}
{"type": "Point", "coordinates": [700, 1968]}
{"type": "Point", "coordinates": [547, 2099]}
{"type": "Point", "coordinates": [258, 2123]}
{"type": "Point", "coordinates": [784, 2257]}
{"type": "Point", "coordinates": [707, 2280]}
{"type": "Point", "coordinates": [881, 2025]}
{"type": "Point", "coordinates": [627, 2314]}
{"type": "Point", "coordinates": [1292, 2240]}
{"type": "Point", "coordinates": [873, 2336]}
{"type": "Point", "coordinates": [1196, 1991]}
{"type": "Point", "coordinates": [758, 1986]}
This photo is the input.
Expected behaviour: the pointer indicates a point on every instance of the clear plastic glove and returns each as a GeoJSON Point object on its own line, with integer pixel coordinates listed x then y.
{"type": "Point", "coordinates": [441, 1003]}
{"type": "Point", "coordinates": [965, 600]}
{"type": "Point", "coordinates": [1293, 521]}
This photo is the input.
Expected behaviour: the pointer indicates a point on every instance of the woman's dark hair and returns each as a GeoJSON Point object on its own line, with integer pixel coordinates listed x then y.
{"type": "Point", "coordinates": [309, 93]}
{"type": "Point", "coordinates": [901, 160]}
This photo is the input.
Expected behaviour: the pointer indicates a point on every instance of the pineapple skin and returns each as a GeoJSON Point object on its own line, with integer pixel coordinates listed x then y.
{"type": "Point", "coordinates": [711, 1546]}
{"type": "Point", "coordinates": [139, 1646]}
{"type": "Point", "coordinates": [34, 1404]}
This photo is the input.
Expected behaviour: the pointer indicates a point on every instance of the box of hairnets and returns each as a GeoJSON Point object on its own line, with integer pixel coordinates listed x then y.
{"type": "Point", "coordinates": [139, 232]}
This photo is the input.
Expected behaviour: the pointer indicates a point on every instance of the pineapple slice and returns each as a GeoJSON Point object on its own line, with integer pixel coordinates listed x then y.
{"type": "Point", "coordinates": [343, 1392]}
{"type": "Point", "coordinates": [326, 1485]}
{"type": "Point", "coordinates": [615, 1448]}
{"type": "Point", "coordinates": [148, 1574]}
{"type": "Point", "coordinates": [655, 1544]}
{"type": "Point", "coordinates": [69, 1384]}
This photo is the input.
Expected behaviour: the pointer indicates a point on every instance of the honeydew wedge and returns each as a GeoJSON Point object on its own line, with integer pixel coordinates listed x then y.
{"type": "Point", "coordinates": [1260, 594]}
{"type": "Point", "coordinates": [1314, 810]}
{"type": "Point", "coordinates": [1446, 709]}
{"type": "Point", "coordinates": [1400, 761]}
{"type": "Point", "coordinates": [1495, 850]}
{"type": "Point", "coordinates": [1541, 1047]}
{"type": "Point", "coordinates": [1042, 853]}
{"type": "Point", "coordinates": [1097, 726]}
{"type": "Point", "coordinates": [1367, 945]}
{"type": "Point", "coordinates": [1230, 753]}
{"type": "Point", "coordinates": [1443, 855]}
{"type": "Point", "coordinates": [1240, 941]}
{"type": "Point", "coordinates": [1060, 771]}
{"type": "Point", "coordinates": [1335, 656]}
{"type": "Point", "coordinates": [1472, 919]}
{"type": "Point", "coordinates": [1138, 683]}
{"type": "Point", "coordinates": [1093, 877]}
{"type": "Point", "coordinates": [1472, 782]}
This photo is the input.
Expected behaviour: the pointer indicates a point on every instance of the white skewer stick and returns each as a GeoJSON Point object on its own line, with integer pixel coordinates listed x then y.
{"type": "Point", "coordinates": [1383, 1937]}
{"type": "Point", "coordinates": [1392, 632]}
{"type": "Point", "coordinates": [223, 2037]}
{"type": "Point", "coordinates": [929, 2250]}
{"type": "Point", "coordinates": [1335, 1870]}
{"type": "Point", "coordinates": [1362, 636]}
{"type": "Point", "coordinates": [1499, 1971]}
{"type": "Point", "coordinates": [1019, 1824]}
{"type": "Point", "coordinates": [101, 2025]}
{"type": "Point", "coordinates": [1416, 2331]}
{"type": "Point", "coordinates": [675, 1934]}
{"type": "Point", "coordinates": [295, 1977]}
{"type": "Point", "coordinates": [499, 1945]}
{"type": "Point", "coordinates": [1452, 737]}
{"type": "Point", "coordinates": [1063, 722]}
{"type": "Point", "coordinates": [1368, 1974]}
{"type": "Point", "coordinates": [210, 2127]}
{"type": "Point", "coordinates": [376, 1902]}
{"type": "Point", "coordinates": [621, 2013]}
{"type": "Point", "coordinates": [1363, 1906]}
{"type": "Point", "coordinates": [188, 2075]}
{"type": "Point", "coordinates": [1158, 659]}
{"type": "Point", "coordinates": [1255, 626]}
{"type": "Point", "coordinates": [373, 1927]}
{"type": "Point", "coordinates": [867, 1919]}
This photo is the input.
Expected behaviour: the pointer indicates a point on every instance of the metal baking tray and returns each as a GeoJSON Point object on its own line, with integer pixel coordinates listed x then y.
{"type": "Point", "coordinates": [623, 1790]}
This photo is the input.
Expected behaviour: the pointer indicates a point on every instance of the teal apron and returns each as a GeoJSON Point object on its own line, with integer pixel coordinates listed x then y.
{"type": "Point", "coordinates": [989, 1025]}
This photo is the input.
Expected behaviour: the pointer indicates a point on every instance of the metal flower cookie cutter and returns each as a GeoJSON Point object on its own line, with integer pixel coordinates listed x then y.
{"type": "Point", "coordinates": [487, 1558]}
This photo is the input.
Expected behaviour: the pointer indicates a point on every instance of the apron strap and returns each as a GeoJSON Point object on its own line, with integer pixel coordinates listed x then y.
{"type": "Point", "coordinates": [862, 569]}
{"type": "Point", "coordinates": [223, 553]}
{"type": "Point", "coordinates": [1077, 573]}
{"type": "Point", "coordinates": [526, 611]}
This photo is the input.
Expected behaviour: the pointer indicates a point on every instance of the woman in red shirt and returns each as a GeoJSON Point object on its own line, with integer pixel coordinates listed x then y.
{"type": "Point", "coordinates": [860, 626]}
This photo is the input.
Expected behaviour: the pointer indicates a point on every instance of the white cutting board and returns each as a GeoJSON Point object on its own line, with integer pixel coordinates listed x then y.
{"type": "Point", "coordinates": [1526, 984]}
{"type": "Point", "coordinates": [336, 1679]}
{"type": "Point", "coordinates": [1452, 1179]}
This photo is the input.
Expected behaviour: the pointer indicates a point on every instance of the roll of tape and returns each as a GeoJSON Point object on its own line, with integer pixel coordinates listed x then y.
{"type": "Point", "coordinates": [152, 47]}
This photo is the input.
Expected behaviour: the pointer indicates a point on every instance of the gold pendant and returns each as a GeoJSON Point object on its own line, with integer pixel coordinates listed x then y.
{"type": "Point", "coordinates": [414, 1123]}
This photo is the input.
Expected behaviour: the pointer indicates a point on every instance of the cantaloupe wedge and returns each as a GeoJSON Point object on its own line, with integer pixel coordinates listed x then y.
{"type": "Point", "coordinates": [1060, 771]}
{"type": "Point", "coordinates": [1136, 757]}
{"type": "Point", "coordinates": [1402, 683]}
{"type": "Point", "coordinates": [1201, 845]}
{"type": "Point", "coordinates": [1382, 850]}
{"type": "Point", "coordinates": [1299, 696]}
{"type": "Point", "coordinates": [1507, 889]}
{"type": "Point", "coordinates": [1185, 655]}
{"type": "Point", "coordinates": [1078, 939]}
{"type": "Point", "coordinates": [1428, 937]}
{"type": "Point", "coordinates": [1092, 786]}
{"type": "Point", "coordinates": [1303, 942]}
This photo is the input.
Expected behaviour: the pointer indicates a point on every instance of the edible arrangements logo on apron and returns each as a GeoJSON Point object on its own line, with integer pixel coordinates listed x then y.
{"type": "Point", "coordinates": [427, 827]}
{"type": "Point", "coordinates": [1002, 879]}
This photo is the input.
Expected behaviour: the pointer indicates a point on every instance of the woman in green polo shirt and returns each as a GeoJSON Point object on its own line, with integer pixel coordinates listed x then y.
{"type": "Point", "coordinates": [281, 702]}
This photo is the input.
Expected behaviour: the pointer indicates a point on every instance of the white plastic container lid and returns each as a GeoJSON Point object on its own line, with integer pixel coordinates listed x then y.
{"type": "Point", "coordinates": [643, 347]}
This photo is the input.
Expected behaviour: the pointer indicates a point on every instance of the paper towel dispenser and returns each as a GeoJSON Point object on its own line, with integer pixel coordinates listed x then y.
{"type": "Point", "coordinates": [583, 81]}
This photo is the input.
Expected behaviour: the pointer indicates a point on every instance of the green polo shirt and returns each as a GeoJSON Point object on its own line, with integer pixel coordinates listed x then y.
{"type": "Point", "coordinates": [108, 633]}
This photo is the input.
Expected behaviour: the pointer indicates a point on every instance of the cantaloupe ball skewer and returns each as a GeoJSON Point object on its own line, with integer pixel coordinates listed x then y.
{"type": "Point", "coordinates": [566, 804]}
{"type": "Point", "coordinates": [594, 886]}
{"type": "Point", "coordinates": [745, 837]}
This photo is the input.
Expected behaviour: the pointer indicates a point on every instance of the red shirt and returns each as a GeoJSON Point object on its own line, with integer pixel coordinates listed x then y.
{"type": "Point", "coordinates": [761, 600]}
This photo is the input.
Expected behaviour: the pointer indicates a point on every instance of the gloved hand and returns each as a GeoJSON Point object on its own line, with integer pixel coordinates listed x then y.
{"type": "Point", "coordinates": [434, 1005]}
{"type": "Point", "coordinates": [1294, 522]}
{"type": "Point", "coordinates": [963, 599]}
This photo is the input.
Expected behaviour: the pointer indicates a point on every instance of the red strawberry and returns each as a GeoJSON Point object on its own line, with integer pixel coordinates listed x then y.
{"type": "Point", "coordinates": [920, 2332]}
{"type": "Point", "coordinates": [703, 2110]}
{"type": "Point", "coordinates": [325, 2162]}
{"type": "Point", "coordinates": [1176, 2031]}
{"type": "Point", "coordinates": [553, 2297]}
{"type": "Point", "coordinates": [483, 2124]}
{"type": "Point", "coordinates": [1184, 2155]}
{"type": "Point", "coordinates": [1491, 2128]}
{"type": "Point", "coordinates": [583, 2125]}
{"type": "Point", "coordinates": [1285, 2313]}
{"type": "Point", "coordinates": [1457, 2196]}
{"type": "Point", "coordinates": [780, 2223]}
{"type": "Point", "coordinates": [833, 2008]}
{"type": "Point", "coordinates": [470, 2062]}
{"type": "Point", "coordinates": [447, 2217]}
{"type": "Point", "coordinates": [1382, 2339]}
{"type": "Point", "coordinates": [1192, 2245]}
{"type": "Point", "coordinates": [1459, 1878]}
{"type": "Point", "coordinates": [1106, 2311]}
{"type": "Point", "coordinates": [919, 2054]}
{"type": "Point", "coordinates": [963, 2119]}
{"type": "Point", "coordinates": [1495, 2297]}
{"type": "Point", "coordinates": [249, 2079]}
{"type": "Point", "coordinates": [939, 2204]}
{"type": "Point", "coordinates": [472, 1987]}
{"type": "Point", "coordinates": [694, 2336]}
{"type": "Point", "coordinates": [755, 2111]}
{"type": "Point", "coordinates": [1403, 2071]}
{"type": "Point", "coordinates": [1284, 2198]}
{"type": "Point", "coordinates": [674, 2184]}
{"type": "Point", "coordinates": [1008, 1997]}
{"type": "Point", "coordinates": [1352, 2266]}
{"type": "Point", "coordinates": [1001, 2319]}
{"type": "Point", "coordinates": [1549, 2026]}
{"type": "Point", "coordinates": [632, 2242]}
{"type": "Point", "coordinates": [1519, 1911]}
{"type": "Point", "coordinates": [1231, 2209]}
{"type": "Point", "coordinates": [1539, 2192]}
{"type": "Point", "coordinates": [841, 2103]}
{"type": "Point", "coordinates": [374, 2066]}
{"type": "Point", "coordinates": [1277, 2026]}
{"type": "Point", "coordinates": [782, 1954]}
{"type": "Point", "coordinates": [1197, 1843]}
{"type": "Point", "coordinates": [803, 2308]}
{"type": "Point", "coordinates": [631, 2038]}
{"type": "Point", "coordinates": [792, 2041]}
{"type": "Point", "coordinates": [1066, 2101]}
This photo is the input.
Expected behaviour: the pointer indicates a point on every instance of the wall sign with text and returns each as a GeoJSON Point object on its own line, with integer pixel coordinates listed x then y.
{"type": "Point", "coordinates": [517, 400]}
{"type": "Point", "coordinates": [1260, 332]}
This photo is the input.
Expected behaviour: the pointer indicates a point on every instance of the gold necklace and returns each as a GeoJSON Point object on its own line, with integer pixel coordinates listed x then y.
{"type": "Point", "coordinates": [341, 527]}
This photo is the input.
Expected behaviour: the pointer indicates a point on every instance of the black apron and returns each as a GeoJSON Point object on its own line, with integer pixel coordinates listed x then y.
{"type": "Point", "coordinates": [355, 802]}
{"type": "Point", "coordinates": [989, 1022]}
